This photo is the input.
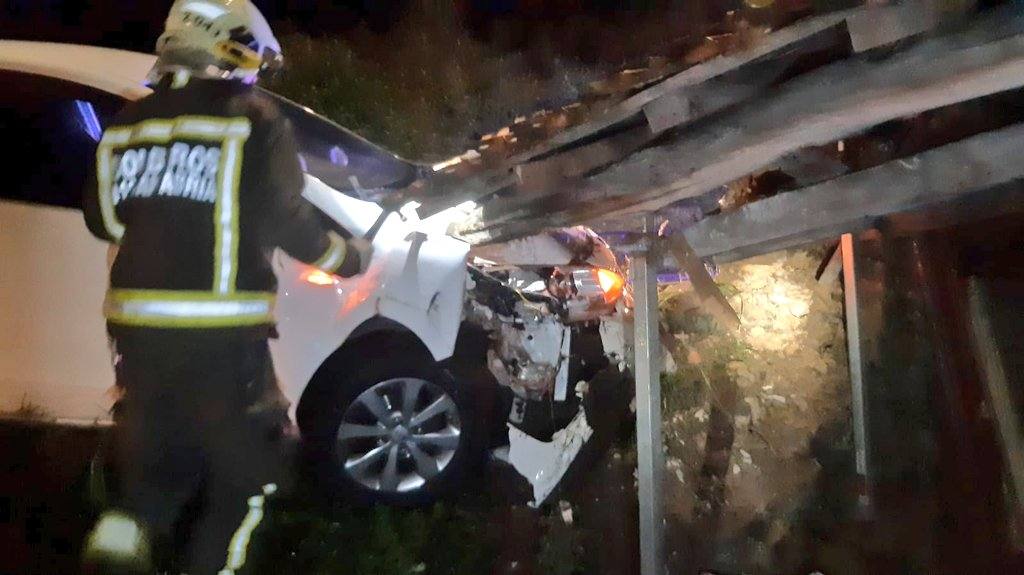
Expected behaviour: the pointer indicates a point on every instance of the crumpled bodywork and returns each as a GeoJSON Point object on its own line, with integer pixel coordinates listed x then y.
{"type": "Point", "coordinates": [568, 246]}
{"type": "Point", "coordinates": [532, 356]}
{"type": "Point", "coordinates": [544, 463]}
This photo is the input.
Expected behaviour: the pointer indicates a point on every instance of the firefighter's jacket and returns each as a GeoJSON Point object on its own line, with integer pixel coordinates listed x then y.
{"type": "Point", "coordinates": [197, 183]}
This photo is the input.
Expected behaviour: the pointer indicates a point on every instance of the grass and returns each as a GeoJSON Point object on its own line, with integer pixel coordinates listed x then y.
{"type": "Point", "coordinates": [426, 90]}
{"type": "Point", "coordinates": [442, 540]}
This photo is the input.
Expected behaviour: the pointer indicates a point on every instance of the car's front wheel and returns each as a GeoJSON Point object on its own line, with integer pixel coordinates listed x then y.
{"type": "Point", "coordinates": [392, 426]}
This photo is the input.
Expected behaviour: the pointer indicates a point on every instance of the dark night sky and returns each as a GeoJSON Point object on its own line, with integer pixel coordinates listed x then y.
{"type": "Point", "coordinates": [135, 24]}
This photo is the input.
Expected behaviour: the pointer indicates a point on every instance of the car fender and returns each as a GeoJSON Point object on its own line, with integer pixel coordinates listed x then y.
{"type": "Point", "coordinates": [414, 279]}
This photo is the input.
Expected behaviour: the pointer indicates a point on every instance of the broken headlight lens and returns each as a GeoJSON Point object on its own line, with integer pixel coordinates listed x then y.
{"type": "Point", "coordinates": [598, 283]}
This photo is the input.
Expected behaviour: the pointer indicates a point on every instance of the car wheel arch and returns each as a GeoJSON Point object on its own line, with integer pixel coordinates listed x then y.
{"type": "Point", "coordinates": [376, 331]}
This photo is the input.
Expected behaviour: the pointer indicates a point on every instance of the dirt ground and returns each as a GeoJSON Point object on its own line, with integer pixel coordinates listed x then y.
{"type": "Point", "coordinates": [773, 385]}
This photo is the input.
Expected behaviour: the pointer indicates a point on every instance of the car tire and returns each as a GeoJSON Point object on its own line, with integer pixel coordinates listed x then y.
{"type": "Point", "coordinates": [359, 433]}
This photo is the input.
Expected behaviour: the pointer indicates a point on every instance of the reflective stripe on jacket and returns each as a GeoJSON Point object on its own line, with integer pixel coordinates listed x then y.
{"type": "Point", "coordinates": [197, 183]}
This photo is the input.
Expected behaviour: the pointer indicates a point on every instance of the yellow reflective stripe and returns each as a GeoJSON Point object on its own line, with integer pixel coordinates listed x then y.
{"type": "Point", "coordinates": [119, 294]}
{"type": "Point", "coordinates": [105, 192]}
{"type": "Point", "coordinates": [225, 250]}
{"type": "Point", "coordinates": [239, 545]}
{"type": "Point", "coordinates": [162, 308]}
{"type": "Point", "coordinates": [232, 133]}
{"type": "Point", "coordinates": [190, 322]}
{"type": "Point", "coordinates": [193, 127]}
{"type": "Point", "coordinates": [335, 254]}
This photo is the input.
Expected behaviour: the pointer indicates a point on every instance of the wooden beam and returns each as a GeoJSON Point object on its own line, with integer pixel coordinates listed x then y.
{"type": "Point", "coordinates": [687, 96]}
{"type": "Point", "coordinates": [814, 109]}
{"type": "Point", "coordinates": [882, 25]}
{"type": "Point", "coordinates": [983, 164]}
{"type": "Point", "coordinates": [537, 175]}
{"type": "Point", "coordinates": [775, 43]}
{"type": "Point", "coordinates": [443, 193]}
{"type": "Point", "coordinates": [819, 108]}
{"type": "Point", "coordinates": [700, 91]}
{"type": "Point", "coordinates": [712, 300]}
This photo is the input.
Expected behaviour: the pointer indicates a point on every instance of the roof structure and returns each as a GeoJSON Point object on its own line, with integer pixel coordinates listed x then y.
{"type": "Point", "coordinates": [813, 104]}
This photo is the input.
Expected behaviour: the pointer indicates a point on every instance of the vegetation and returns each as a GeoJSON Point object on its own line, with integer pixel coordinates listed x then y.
{"type": "Point", "coordinates": [304, 538]}
{"type": "Point", "coordinates": [426, 90]}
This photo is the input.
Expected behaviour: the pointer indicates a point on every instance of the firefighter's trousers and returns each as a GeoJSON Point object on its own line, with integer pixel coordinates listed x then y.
{"type": "Point", "coordinates": [201, 424]}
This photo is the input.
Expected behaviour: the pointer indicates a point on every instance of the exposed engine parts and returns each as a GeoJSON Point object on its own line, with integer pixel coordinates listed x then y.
{"type": "Point", "coordinates": [531, 355]}
{"type": "Point", "coordinates": [530, 343]}
{"type": "Point", "coordinates": [532, 304]}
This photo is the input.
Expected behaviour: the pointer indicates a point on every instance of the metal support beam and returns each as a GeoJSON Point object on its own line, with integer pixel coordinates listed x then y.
{"type": "Point", "coordinates": [853, 340]}
{"type": "Point", "coordinates": [650, 454]}
{"type": "Point", "coordinates": [998, 388]}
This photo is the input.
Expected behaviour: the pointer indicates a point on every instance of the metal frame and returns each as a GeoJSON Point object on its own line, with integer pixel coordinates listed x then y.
{"type": "Point", "coordinates": [859, 403]}
{"type": "Point", "coordinates": [650, 454]}
{"type": "Point", "coordinates": [997, 387]}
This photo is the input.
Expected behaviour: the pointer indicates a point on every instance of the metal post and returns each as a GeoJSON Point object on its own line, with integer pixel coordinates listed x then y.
{"type": "Point", "coordinates": [650, 454]}
{"type": "Point", "coordinates": [853, 340]}
{"type": "Point", "coordinates": [998, 388]}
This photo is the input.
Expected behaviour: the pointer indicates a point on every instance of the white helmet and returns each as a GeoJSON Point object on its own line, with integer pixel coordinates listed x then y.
{"type": "Point", "coordinates": [216, 39]}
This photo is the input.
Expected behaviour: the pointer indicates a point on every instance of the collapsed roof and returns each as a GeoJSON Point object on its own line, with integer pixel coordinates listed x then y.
{"type": "Point", "coordinates": [855, 115]}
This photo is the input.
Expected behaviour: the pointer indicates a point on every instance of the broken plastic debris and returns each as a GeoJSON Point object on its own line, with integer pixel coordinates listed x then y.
{"type": "Point", "coordinates": [544, 463]}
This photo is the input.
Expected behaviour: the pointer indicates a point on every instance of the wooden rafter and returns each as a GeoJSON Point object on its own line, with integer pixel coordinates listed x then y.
{"type": "Point", "coordinates": [813, 109]}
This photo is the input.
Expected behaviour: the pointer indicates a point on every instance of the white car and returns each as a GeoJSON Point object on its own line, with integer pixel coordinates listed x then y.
{"type": "Point", "coordinates": [440, 350]}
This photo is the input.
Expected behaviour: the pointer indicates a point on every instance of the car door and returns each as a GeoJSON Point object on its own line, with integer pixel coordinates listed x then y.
{"type": "Point", "coordinates": [54, 358]}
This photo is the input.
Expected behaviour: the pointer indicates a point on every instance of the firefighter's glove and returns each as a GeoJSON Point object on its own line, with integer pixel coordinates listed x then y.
{"type": "Point", "coordinates": [357, 260]}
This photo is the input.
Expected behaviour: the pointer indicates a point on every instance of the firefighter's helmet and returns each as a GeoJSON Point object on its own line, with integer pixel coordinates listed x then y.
{"type": "Point", "coordinates": [227, 39]}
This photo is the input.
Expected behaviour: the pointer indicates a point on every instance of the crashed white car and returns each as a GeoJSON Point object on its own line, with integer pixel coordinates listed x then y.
{"type": "Point", "coordinates": [400, 379]}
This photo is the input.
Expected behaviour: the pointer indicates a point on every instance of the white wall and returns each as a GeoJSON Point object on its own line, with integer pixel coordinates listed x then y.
{"type": "Point", "coordinates": [53, 345]}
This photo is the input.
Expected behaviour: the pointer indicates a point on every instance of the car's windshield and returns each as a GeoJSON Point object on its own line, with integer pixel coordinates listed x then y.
{"type": "Point", "coordinates": [53, 124]}
{"type": "Point", "coordinates": [341, 159]}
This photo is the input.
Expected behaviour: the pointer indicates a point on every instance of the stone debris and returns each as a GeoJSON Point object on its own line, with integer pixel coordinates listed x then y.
{"type": "Point", "coordinates": [756, 411]}
{"type": "Point", "coordinates": [787, 365]}
{"type": "Point", "coordinates": [700, 415]}
{"type": "Point", "coordinates": [746, 457]}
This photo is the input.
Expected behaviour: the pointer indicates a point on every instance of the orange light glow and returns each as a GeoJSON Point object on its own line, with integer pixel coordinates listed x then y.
{"type": "Point", "coordinates": [611, 284]}
{"type": "Point", "coordinates": [318, 277]}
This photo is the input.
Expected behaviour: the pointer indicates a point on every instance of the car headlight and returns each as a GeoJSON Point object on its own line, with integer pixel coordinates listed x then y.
{"type": "Point", "coordinates": [598, 283]}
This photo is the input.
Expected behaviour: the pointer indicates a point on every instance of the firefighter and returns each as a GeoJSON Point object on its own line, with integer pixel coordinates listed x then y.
{"type": "Point", "coordinates": [195, 185]}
